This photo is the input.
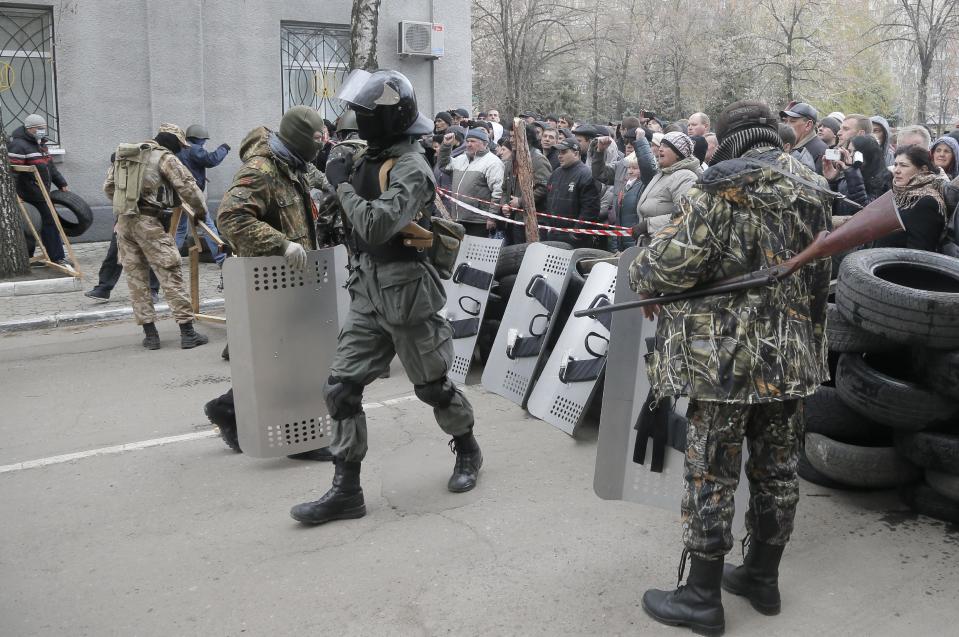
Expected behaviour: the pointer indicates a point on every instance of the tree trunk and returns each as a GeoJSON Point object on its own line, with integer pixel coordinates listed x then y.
{"type": "Point", "coordinates": [13, 246]}
{"type": "Point", "coordinates": [921, 92]}
{"type": "Point", "coordinates": [365, 18]}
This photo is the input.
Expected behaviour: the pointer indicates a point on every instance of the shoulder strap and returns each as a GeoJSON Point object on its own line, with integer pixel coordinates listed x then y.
{"type": "Point", "coordinates": [385, 173]}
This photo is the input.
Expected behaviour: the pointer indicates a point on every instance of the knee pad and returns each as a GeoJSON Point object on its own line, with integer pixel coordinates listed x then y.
{"type": "Point", "coordinates": [343, 398]}
{"type": "Point", "coordinates": [438, 393]}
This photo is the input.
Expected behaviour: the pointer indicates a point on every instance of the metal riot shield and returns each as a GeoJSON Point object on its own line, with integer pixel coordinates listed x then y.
{"type": "Point", "coordinates": [617, 476]}
{"type": "Point", "coordinates": [341, 273]}
{"type": "Point", "coordinates": [466, 295]}
{"type": "Point", "coordinates": [576, 364]}
{"type": "Point", "coordinates": [282, 332]}
{"type": "Point", "coordinates": [527, 322]}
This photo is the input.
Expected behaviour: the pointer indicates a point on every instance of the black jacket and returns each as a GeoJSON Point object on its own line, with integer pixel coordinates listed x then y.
{"type": "Point", "coordinates": [25, 150]}
{"type": "Point", "coordinates": [849, 183]}
{"type": "Point", "coordinates": [572, 192]}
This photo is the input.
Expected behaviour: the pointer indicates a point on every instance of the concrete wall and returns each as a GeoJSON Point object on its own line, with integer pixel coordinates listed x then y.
{"type": "Point", "coordinates": [125, 66]}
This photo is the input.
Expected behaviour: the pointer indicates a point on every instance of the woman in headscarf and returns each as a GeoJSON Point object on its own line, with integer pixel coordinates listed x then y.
{"type": "Point", "coordinates": [922, 211]}
{"type": "Point", "coordinates": [945, 155]}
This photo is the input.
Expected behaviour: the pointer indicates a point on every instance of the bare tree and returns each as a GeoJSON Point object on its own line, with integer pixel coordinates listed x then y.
{"type": "Point", "coordinates": [795, 45]}
{"type": "Point", "coordinates": [927, 26]}
{"type": "Point", "coordinates": [13, 247]}
{"type": "Point", "coordinates": [525, 36]}
{"type": "Point", "coordinates": [365, 19]}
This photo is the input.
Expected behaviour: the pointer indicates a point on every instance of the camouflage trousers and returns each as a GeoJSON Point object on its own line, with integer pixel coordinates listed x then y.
{"type": "Point", "coordinates": [714, 442]}
{"type": "Point", "coordinates": [366, 346]}
{"type": "Point", "coordinates": [142, 243]}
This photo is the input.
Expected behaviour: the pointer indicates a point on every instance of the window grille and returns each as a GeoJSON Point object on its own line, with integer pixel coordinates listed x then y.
{"type": "Point", "coordinates": [315, 58]}
{"type": "Point", "coordinates": [28, 79]}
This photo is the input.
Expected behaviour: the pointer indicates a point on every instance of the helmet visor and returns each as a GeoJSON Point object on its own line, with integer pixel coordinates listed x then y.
{"type": "Point", "coordinates": [359, 89]}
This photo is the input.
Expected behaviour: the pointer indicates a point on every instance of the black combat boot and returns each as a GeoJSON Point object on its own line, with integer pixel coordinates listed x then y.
{"type": "Point", "coordinates": [190, 338]}
{"type": "Point", "coordinates": [758, 578]}
{"type": "Point", "coordinates": [343, 501]}
{"type": "Point", "coordinates": [469, 459]}
{"type": "Point", "coordinates": [151, 338]}
{"type": "Point", "coordinates": [697, 604]}
{"type": "Point", "coordinates": [221, 413]}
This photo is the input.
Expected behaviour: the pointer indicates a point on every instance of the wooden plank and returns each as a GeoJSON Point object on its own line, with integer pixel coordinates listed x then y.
{"type": "Point", "coordinates": [523, 169]}
{"type": "Point", "coordinates": [75, 270]}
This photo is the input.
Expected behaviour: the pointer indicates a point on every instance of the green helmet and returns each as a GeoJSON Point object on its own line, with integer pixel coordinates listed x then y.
{"type": "Point", "coordinates": [196, 131]}
{"type": "Point", "coordinates": [346, 121]}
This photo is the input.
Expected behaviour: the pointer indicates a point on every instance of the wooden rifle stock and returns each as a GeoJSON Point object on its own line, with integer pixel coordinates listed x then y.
{"type": "Point", "coordinates": [875, 221]}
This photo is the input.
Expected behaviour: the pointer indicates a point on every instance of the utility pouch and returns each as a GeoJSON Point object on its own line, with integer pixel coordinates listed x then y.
{"type": "Point", "coordinates": [447, 238]}
{"type": "Point", "coordinates": [129, 165]}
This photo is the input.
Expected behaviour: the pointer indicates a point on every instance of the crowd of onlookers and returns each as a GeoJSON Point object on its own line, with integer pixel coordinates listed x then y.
{"type": "Point", "coordinates": [634, 174]}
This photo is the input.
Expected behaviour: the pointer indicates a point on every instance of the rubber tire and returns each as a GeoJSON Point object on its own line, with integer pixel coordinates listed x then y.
{"type": "Point", "coordinates": [942, 372]}
{"type": "Point", "coordinates": [511, 257]}
{"type": "Point", "coordinates": [577, 280]}
{"type": "Point", "coordinates": [898, 312]}
{"type": "Point", "coordinates": [828, 415]}
{"type": "Point", "coordinates": [923, 499]}
{"type": "Point", "coordinates": [855, 466]}
{"type": "Point", "coordinates": [80, 209]}
{"type": "Point", "coordinates": [931, 450]}
{"type": "Point", "coordinates": [944, 484]}
{"type": "Point", "coordinates": [808, 473]}
{"type": "Point", "coordinates": [506, 286]}
{"type": "Point", "coordinates": [843, 336]}
{"type": "Point", "coordinates": [495, 307]}
{"type": "Point", "coordinates": [896, 403]}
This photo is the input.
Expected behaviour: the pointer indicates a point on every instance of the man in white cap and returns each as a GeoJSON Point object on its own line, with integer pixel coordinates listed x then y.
{"type": "Point", "coordinates": [28, 147]}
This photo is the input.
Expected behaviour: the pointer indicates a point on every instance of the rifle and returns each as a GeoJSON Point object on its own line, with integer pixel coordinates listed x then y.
{"type": "Point", "coordinates": [875, 221]}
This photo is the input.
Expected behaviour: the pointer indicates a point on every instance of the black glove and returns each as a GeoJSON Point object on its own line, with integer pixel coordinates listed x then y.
{"type": "Point", "coordinates": [338, 170]}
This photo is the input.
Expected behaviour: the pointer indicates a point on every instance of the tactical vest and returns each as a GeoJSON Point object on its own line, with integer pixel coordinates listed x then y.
{"type": "Point", "coordinates": [370, 178]}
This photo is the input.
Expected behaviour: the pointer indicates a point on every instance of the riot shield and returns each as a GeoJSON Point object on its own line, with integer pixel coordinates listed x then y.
{"type": "Point", "coordinates": [617, 476]}
{"type": "Point", "coordinates": [282, 331]}
{"type": "Point", "coordinates": [574, 367]}
{"type": "Point", "coordinates": [527, 323]}
{"type": "Point", "coordinates": [466, 295]}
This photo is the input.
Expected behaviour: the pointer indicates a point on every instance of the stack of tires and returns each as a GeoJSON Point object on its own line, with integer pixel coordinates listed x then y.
{"type": "Point", "coordinates": [890, 420]}
{"type": "Point", "coordinates": [504, 277]}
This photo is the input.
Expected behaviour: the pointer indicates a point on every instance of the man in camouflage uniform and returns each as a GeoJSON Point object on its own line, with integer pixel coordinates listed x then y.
{"type": "Point", "coordinates": [268, 211]}
{"type": "Point", "coordinates": [396, 292]}
{"type": "Point", "coordinates": [745, 359]}
{"type": "Point", "coordinates": [142, 242]}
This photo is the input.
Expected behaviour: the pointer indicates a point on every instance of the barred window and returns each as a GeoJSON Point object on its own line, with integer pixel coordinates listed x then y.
{"type": "Point", "coordinates": [315, 58]}
{"type": "Point", "coordinates": [28, 79]}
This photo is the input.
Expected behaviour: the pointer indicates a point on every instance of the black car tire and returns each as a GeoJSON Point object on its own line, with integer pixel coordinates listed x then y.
{"type": "Point", "coordinates": [511, 257]}
{"type": "Point", "coordinates": [827, 414]}
{"type": "Point", "coordinates": [909, 296]}
{"type": "Point", "coordinates": [77, 206]}
{"type": "Point", "coordinates": [931, 450]}
{"type": "Point", "coordinates": [923, 499]}
{"type": "Point", "coordinates": [855, 466]}
{"type": "Point", "coordinates": [900, 404]}
{"type": "Point", "coordinates": [942, 372]}
{"type": "Point", "coordinates": [945, 484]}
{"type": "Point", "coordinates": [843, 336]}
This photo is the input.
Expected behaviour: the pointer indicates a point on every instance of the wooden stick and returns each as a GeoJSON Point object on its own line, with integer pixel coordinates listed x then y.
{"type": "Point", "coordinates": [438, 202]}
{"type": "Point", "coordinates": [56, 221]}
{"type": "Point", "coordinates": [36, 236]}
{"type": "Point", "coordinates": [175, 221]}
{"type": "Point", "coordinates": [194, 266]}
{"type": "Point", "coordinates": [523, 171]}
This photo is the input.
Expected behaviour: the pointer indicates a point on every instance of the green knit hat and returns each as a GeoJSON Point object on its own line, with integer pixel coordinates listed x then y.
{"type": "Point", "coordinates": [297, 128]}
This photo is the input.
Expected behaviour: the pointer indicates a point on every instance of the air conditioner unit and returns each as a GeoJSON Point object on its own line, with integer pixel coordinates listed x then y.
{"type": "Point", "coordinates": [424, 39]}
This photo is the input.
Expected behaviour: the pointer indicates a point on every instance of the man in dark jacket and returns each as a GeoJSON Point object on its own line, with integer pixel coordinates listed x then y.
{"type": "Point", "coordinates": [802, 118]}
{"type": "Point", "coordinates": [28, 147]}
{"type": "Point", "coordinates": [572, 193]}
{"type": "Point", "coordinates": [197, 159]}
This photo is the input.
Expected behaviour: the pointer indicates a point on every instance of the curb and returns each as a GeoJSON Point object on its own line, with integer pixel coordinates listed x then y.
{"type": "Point", "coordinates": [43, 286]}
{"type": "Point", "coordinates": [80, 318]}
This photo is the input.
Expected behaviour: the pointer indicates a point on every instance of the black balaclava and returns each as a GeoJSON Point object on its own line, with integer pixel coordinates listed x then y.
{"type": "Point", "coordinates": [169, 141]}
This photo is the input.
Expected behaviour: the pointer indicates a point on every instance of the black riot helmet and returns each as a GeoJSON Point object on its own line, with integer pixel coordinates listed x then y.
{"type": "Point", "coordinates": [384, 103]}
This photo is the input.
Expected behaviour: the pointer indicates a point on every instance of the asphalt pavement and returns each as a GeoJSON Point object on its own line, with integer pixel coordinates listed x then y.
{"type": "Point", "coordinates": [153, 527]}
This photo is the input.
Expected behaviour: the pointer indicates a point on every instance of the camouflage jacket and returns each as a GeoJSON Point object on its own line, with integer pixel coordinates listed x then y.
{"type": "Point", "coordinates": [166, 182]}
{"type": "Point", "coordinates": [267, 204]}
{"type": "Point", "coordinates": [753, 346]}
